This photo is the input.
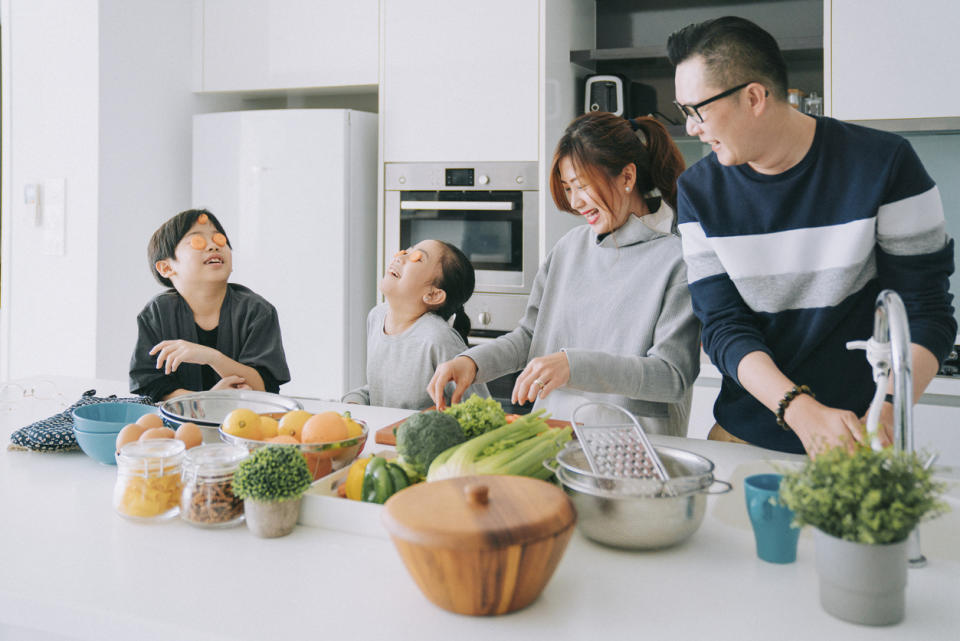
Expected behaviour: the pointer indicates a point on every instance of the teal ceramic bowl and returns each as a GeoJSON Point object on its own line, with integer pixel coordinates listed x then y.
{"type": "Point", "coordinates": [109, 417]}
{"type": "Point", "coordinates": [100, 446]}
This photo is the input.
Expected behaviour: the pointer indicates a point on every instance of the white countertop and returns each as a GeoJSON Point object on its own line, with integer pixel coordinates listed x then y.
{"type": "Point", "coordinates": [71, 568]}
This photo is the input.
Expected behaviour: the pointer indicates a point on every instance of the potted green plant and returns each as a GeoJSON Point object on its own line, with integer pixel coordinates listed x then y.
{"type": "Point", "coordinates": [271, 482]}
{"type": "Point", "coordinates": [864, 504]}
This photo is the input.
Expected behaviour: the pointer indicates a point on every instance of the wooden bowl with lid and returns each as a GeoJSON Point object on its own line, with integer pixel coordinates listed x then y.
{"type": "Point", "coordinates": [481, 545]}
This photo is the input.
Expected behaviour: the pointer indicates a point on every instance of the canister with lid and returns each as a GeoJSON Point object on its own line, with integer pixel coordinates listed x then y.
{"type": "Point", "coordinates": [148, 479]}
{"type": "Point", "coordinates": [481, 545]}
{"type": "Point", "coordinates": [207, 499]}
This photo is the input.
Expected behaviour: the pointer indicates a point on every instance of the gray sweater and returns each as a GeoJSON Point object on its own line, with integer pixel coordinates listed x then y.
{"type": "Point", "coordinates": [400, 366]}
{"type": "Point", "coordinates": [620, 308]}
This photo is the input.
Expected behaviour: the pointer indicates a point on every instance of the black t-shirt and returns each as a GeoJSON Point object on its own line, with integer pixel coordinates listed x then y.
{"type": "Point", "coordinates": [208, 338]}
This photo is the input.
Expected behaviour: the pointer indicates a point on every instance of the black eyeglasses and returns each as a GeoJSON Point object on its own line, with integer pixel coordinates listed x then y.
{"type": "Point", "coordinates": [692, 111]}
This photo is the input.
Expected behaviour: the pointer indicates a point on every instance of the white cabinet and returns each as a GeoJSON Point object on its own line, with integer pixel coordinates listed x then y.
{"type": "Point", "coordinates": [889, 60]}
{"type": "Point", "coordinates": [249, 45]}
{"type": "Point", "coordinates": [460, 80]}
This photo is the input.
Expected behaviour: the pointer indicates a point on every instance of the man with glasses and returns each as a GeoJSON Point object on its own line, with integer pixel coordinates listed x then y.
{"type": "Point", "coordinates": [790, 228]}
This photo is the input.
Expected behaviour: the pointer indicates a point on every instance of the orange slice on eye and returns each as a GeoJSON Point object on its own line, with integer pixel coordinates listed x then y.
{"type": "Point", "coordinates": [219, 239]}
{"type": "Point", "coordinates": [416, 257]}
{"type": "Point", "coordinates": [202, 219]}
{"type": "Point", "coordinates": [198, 242]}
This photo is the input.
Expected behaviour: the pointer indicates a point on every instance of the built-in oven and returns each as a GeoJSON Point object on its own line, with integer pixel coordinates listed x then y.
{"type": "Point", "coordinates": [489, 211]}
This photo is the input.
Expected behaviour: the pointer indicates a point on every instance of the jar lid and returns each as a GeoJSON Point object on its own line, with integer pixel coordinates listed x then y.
{"type": "Point", "coordinates": [478, 511]}
{"type": "Point", "coordinates": [215, 458]}
{"type": "Point", "coordinates": [152, 455]}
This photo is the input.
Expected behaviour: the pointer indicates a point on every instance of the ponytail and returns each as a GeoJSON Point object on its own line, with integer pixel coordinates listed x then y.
{"type": "Point", "coordinates": [461, 323]}
{"type": "Point", "coordinates": [457, 280]}
{"type": "Point", "coordinates": [661, 165]}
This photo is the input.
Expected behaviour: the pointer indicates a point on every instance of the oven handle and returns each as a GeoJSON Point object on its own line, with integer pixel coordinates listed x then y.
{"type": "Point", "coordinates": [456, 205]}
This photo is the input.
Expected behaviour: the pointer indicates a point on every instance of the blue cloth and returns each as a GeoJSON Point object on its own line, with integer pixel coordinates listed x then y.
{"type": "Point", "coordinates": [791, 264]}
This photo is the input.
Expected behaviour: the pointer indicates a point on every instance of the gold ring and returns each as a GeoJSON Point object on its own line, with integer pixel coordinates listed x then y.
{"type": "Point", "coordinates": [539, 383]}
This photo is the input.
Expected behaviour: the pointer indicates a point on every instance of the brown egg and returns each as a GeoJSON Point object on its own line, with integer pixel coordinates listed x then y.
{"type": "Point", "coordinates": [190, 434]}
{"type": "Point", "coordinates": [157, 432]}
{"type": "Point", "coordinates": [129, 434]}
{"type": "Point", "coordinates": [150, 420]}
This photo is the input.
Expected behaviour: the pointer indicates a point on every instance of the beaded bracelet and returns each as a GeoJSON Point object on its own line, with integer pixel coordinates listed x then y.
{"type": "Point", "coordinates": [787, 398]}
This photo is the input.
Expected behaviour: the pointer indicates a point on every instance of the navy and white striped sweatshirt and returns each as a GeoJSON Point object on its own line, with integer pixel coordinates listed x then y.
{"type": "Point", "coordinates": [791, 264]}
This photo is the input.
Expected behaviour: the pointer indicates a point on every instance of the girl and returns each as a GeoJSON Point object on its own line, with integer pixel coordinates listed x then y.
{"type": "Point", "coordinates": [408, 335]}
{"type": "Point", "coordinates": [609, 317]}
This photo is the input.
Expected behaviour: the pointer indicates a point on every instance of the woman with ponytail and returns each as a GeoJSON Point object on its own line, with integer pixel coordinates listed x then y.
{"type": "Point", "coordinates": [410, 333]}
{"type": "Point", "coordinates": [609, 316]}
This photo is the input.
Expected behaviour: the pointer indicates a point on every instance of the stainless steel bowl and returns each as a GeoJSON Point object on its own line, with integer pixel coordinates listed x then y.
{"type": "Point", "coordinates": [208, 409]}
{"type": "Point", "coordinates": [638, 514]}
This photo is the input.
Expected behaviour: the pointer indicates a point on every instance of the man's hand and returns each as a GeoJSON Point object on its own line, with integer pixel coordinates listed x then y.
{"type": "Point", "coordinates": [821, 428]}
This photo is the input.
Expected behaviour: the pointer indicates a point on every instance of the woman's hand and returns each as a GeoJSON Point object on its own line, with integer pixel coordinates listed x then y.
{"type": "Point", "coordinates": [541, 376]}
{"type": "Point", "coordinates": [461, 370]}
{"type": "Point", "coordinates": [231, 382]}
{"type": "Point", "coordinates": [176, 352]}
{"type": "Point", "coordinates": [821, 428]}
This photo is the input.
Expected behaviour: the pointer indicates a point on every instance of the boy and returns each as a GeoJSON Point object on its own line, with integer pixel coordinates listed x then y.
{"type": "Point", "coordinates": [204, 333]}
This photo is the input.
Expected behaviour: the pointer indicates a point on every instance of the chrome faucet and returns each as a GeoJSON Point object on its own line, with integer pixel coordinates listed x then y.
{"type": "Point", "coordinates": [889, 353]}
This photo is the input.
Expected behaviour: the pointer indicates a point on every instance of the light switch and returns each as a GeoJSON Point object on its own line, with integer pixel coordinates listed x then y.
{"type": "Point", "coordinates": [54, 216]}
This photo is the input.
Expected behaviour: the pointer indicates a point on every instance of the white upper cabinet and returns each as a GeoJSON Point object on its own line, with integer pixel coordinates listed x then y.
{"type": "Point", "coordinates": [460, 80]}
{"type": "Point", "coordinates": [250, 45]}
{"type": "Point", "coordinates": [888, 59]}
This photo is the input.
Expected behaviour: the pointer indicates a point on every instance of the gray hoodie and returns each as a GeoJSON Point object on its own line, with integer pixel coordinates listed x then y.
{"type": "Point", "coordinates": [619, 307]}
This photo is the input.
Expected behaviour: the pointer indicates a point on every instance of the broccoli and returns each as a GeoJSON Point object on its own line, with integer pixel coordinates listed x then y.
{"type": "Point", "coordinates": [423, 436]}
{"type": "Point", "coordinates": [477, 415]}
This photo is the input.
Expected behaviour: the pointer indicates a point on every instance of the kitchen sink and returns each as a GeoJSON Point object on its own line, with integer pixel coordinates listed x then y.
{"type": "Point", "coordinates": [938, 537]}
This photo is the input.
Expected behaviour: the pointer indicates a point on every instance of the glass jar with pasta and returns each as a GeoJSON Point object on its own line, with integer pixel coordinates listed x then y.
{"type": "Point", "coordinates": [148, 484]}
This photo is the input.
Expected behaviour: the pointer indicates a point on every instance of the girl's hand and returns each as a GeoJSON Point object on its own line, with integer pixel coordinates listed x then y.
{"type": "Point", "coordinates": [171, 354]}
{"type": "Point", "coordinates": [540, 377]}
{"type": "Point", "coordinates": [231, 382]}
{"type": "Point", "coordinates": [461, 370]}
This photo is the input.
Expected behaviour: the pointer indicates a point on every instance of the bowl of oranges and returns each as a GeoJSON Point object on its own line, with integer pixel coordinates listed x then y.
{"type": "Point", "coordinates": [209, 409]}
{"type": "Point", "coordinates": [328, 440]}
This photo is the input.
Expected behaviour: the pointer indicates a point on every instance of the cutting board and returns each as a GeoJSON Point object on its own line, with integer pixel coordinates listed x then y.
{"type": "Point", "coordinates": [386, 435]}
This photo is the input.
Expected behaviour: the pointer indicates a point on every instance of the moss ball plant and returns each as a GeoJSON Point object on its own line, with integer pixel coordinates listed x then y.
{"type": "Point", "coordinates": [272, 473]}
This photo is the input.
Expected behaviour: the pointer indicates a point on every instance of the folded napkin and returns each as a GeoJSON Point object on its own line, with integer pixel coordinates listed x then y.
{"type": "Point", "coordinates": [55, 434]}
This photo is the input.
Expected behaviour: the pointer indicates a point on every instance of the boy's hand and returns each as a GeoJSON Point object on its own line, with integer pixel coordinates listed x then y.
{"type": "Point", "coordinates": [173, 353]}
{"type": "Point", "coordinates": [231, 382]}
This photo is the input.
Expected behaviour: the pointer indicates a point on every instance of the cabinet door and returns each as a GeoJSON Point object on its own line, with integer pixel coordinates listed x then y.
{"type": "Point", "coordinates": [460, 80]}
{"type": "Point", "coordinates": [894, 60]}
{"type": "Point", "coordinates": [288, 44]}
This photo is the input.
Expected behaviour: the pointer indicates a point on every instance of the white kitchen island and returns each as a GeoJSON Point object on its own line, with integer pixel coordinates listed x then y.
{"type": "Point", "coordinates": [71, 568]}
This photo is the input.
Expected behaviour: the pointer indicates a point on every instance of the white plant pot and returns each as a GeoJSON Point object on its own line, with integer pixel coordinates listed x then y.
{"type": "Point", "coordinates": [862, 583]}
{"type": "Point", "coordinates": [270, 519]}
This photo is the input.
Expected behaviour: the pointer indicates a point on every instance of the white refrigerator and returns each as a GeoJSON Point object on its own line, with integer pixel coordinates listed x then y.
{"type": "Point", "coordinates": [295, 190]}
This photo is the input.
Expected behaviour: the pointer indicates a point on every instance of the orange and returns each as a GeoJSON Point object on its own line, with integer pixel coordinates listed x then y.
{"type": "Point", "coordinates": [243, 423]}
{"type": "Point", "coordinates": [268, 427]}
{"type": "Point", "coordinates": [291, 423]}
{"type": "Point", "coordinates": [324, 427]}
{"type": "Point", "coordinates": [284, 439]}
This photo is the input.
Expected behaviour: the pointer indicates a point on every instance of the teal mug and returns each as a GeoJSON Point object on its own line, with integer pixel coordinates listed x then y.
{"type": "Point", "coordinates": [772, 529]}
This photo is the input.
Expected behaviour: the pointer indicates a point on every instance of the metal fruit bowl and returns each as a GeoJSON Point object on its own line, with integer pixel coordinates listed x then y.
{"type": "Point", "coordinates": [208, 409]}
{"type": "Point", "coordinates": [322, 458]}
{"type": "Point", "coordinates": [638, 514]}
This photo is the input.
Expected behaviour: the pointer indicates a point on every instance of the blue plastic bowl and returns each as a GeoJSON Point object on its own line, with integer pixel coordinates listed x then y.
{"type": "Point", "coordinates": [100, 446]}
{"type": "Point", "coordinates": [109, 417]}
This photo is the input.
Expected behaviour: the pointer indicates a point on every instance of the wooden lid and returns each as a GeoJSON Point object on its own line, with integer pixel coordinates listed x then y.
{"type": "Point", "coordinates": [484, 512]}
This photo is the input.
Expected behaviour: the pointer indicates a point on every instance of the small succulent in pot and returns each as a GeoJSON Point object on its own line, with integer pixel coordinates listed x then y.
{"type": "Point", "coordinates": [865, 496]}
{"type": "Point", "coordinates": [272, 481]}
